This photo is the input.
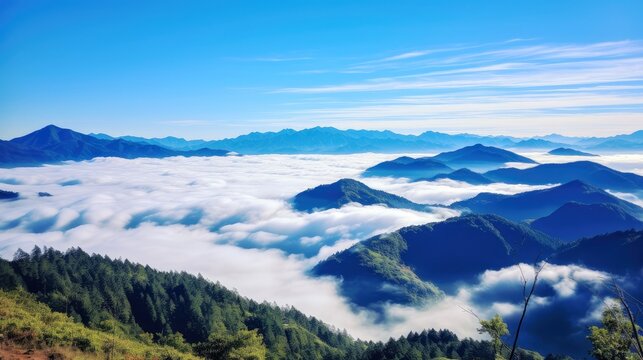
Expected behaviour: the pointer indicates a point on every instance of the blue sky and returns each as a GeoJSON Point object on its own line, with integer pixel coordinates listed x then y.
{"type": "Point", "coordinates": [215, 69]}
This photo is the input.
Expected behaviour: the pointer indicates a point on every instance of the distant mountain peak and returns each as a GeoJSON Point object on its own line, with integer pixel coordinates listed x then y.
{"type": "Point", "coordinates": [578, 184]}
{"type": "Point", "coordinates": [348, 182]}
{"type": "Point", "coordinates": [478, 153]}
{"type": "Point", "coordinates": [51, 135]}
{"type": "Point", "coordinates": [52, 144]}
{"type": "Point", "coordinates": [412, 168]}
{"type": "Point", "coordinates": [344, 191]}
{"type": "Point", "coordinates": [563, 151]}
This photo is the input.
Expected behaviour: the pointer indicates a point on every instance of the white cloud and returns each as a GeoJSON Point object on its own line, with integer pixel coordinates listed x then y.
{"type": "Point", "coordinates": [229, 219]}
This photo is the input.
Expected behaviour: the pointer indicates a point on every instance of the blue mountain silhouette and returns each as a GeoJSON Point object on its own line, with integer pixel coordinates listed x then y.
{"type": "Point", "coordinates": [573, 221]}
{"type": "Point", "coordinates": [539, 203]}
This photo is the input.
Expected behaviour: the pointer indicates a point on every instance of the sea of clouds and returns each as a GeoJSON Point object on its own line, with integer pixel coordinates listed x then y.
{"type": "Point", "coordinates": [230, 219]}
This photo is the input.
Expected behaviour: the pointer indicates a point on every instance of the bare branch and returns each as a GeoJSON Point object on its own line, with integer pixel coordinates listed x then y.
{"type": "Point", "coordinates": [524, 309]}
{"type": "Point", "coordinates": [628, 311]}
{"type": "Point", "coordinates": [470, 311]}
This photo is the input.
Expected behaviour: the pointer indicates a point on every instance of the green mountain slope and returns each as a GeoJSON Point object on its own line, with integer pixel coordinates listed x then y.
{"type": "Point", "coordinates": [29, 324]}
{"type": "Point", "coordinates": [344, 191]}
{"type": "Point", "coordinates": [402, 266]}
{"type": "Point", "coordinates": [114, 304]}
{"type": "Point", "coordinates": [93, 289]}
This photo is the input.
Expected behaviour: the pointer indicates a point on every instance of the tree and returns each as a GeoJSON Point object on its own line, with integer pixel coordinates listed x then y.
{"type": "Point", "coordinates": [613, 341]}
{"type": "Point", "coordinates": [496, 328]}
{"type": "Point", "coordinates": [244, 345]}
{"type": "Point", "coordinates": [526, 298]}
{"type": "Point", "coordinates": [174, 340]}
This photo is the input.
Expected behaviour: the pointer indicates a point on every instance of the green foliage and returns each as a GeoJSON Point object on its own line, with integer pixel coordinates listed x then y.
{"type": "Point", "coordinates": [243, 345]}
{"type": "Point", "coordinates": [108, 299]}
{"type": "Point", "coordinates": [28, 323]}
{"type": "Point", "coordinates": [379, 261]}
{"type": "Point", "coordinates": [496, 328]}
{"type": "Point", "coordinates": [174, 340]}
{"type": "Point", "coordinates": [614, 340]}
{"type": "Point", "coordinates": [96, 290]}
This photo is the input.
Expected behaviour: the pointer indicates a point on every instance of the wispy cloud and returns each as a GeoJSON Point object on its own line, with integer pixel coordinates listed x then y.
{"type": "Point", "coordinates": [507, 85]}
{"type": "Point", "coordinates": [512, 75]}
{"type": "Point", "coordinates": [407, 55]}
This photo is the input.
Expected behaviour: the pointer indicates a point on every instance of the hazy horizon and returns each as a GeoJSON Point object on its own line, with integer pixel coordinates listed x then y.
{"type": "Point", "coordinates": [4, 137]}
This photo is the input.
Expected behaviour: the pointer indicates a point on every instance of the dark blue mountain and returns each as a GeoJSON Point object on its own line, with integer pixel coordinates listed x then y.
{"type": "Point", "coordinates": [53, 144]}
{"type": "Point", "coordinates": [402, 266]}
{"type": "Point", "coordinates": [14, 154]}
{"type": "Point", "coordinates": [589, 172]}
{"type": "Point", "coordinates": [573, 221]}
{"type": "Point", "coordinates": [344, 191]}
{"type": "Point", "coordinates": [479, 154]}
{"type": "Point", "coordinates": [464, 175]}
{"type": "Point", "coordinates": [569, 152]}
{"type": "Point", "coordinates": [539, 203]}
{"type": "Point", "coordinates": [8, 195]}
{"type": "Point", "coordinates": [408, 167]}
{"type": "Point", "coordinates": [618, 253]}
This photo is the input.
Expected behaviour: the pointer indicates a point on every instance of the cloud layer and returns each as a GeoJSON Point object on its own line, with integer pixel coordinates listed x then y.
{"type": "Point", "coordinates": [229, 218]}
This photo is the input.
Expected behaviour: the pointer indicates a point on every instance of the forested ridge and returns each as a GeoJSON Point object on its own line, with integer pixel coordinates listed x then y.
{"type": "Point", "coordinates": [198, 316]}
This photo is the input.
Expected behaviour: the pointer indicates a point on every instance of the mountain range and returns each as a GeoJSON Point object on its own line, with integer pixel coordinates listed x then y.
{"type": "Point", "coordinates": [344, 191]}
{"type": "Point", "coordinates": [589, 172]}
{"type": "Point", "coordinates": [53, 144]}
{"type": "Point", "coordinates": [329, 140]}
{"type": "Point", "coordinates": [538, 203]}
{"type": "Point", "coordinates": [475, 156]}
{"type": "Point", "coordinates": [415, 264]}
